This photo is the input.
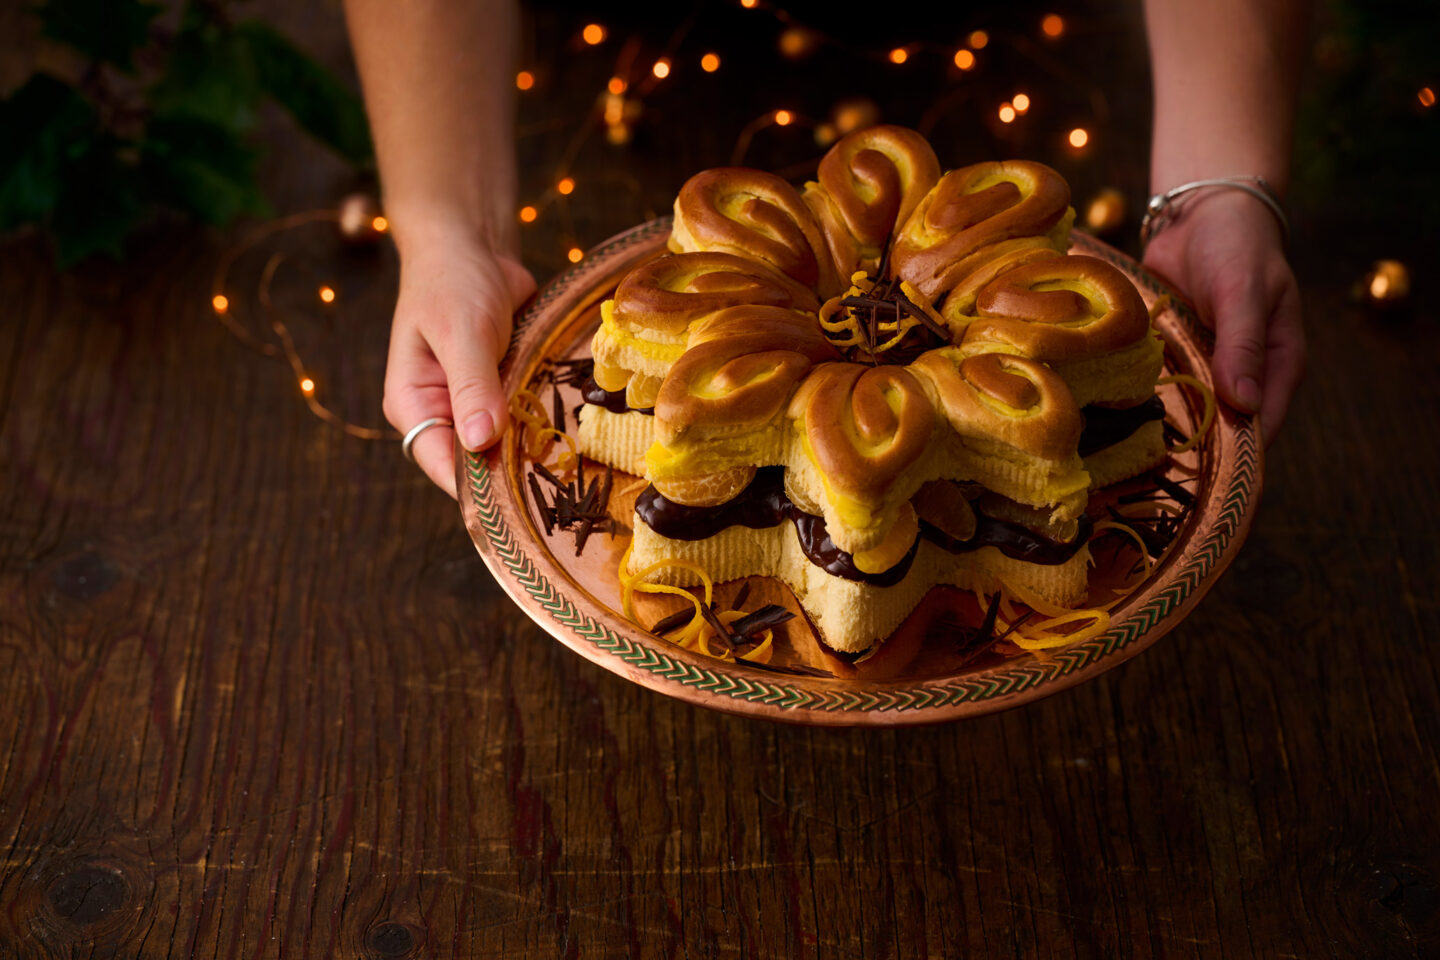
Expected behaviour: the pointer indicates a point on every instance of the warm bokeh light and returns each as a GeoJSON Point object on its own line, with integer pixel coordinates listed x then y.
{"type": "Point", "coordinates": [710, 62]}
{"type": "Point", "coordinates": [593, 33]}
{"type": "Point", "coordinates": [524, 80]}
{"type": "Point", "coordinates": [856, 114]}
{"type": "Point", "coordinates": [220, 302]}
{"type": "Point", "coordinates": [327, 294]}
{"type": "Point", "coordinates": [1007, 113]}
{"type": "Point", "coordinates": [576, 254]}
{"type": "Point", "coordinates": [1053, 25]}
{"type": "Point", "coordinates": [380, 224]}
{"type": "Point", "coordinates": [1427, 97]}
{"type": "Point", "coordinates": [616, 86]}
{"type": "Point", "coordinates": [825, 134]}
{"type": "Point", "coordinates": [1379, 286]}
{"type": "Point", "coordinates": [964, 59]}
{"type": "Point", "coordinates": [1079, 137]}
{"type": "Point", "coordinates": [783, 118]}
{"type": "Point", "coordinates": [798, 42]}
{"type": "Point", "coordinates": [528, 214]}
{"type": "Point", "coordinates": [1021, 102]}
{"type": "Point", "coordinates": [307, 386]}
{"type": "Point", "coordinates": [978, 39]}
{"type": "Point", "coordinates": [661, 68]}
{"type": "Point", "coordinates": [899, 55]}
{"type": "Point", "coordinates": [749, 4]}
{"type": "Point", "coordinates": [566, 186]}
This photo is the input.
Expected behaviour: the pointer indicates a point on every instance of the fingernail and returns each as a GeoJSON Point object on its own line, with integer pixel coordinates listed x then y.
{"type": "Point", "coordinates": [476, 431]}
{"type": "Point", "coordinates": [1247, 391]}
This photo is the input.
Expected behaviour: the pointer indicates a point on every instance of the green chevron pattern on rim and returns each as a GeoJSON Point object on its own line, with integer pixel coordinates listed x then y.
{"type": "Point", "coordinates": [998, 683]}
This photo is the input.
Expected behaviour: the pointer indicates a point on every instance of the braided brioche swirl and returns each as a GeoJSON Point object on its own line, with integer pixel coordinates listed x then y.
{"type": "Point", "coordinates": [1007, 205]}
{"type": "Point", "coordinates": [869, 184]}
{"type": "Point", "coordinates": [756, 215]}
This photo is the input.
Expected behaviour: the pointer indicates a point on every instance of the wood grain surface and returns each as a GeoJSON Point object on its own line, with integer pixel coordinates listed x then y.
{"type": "Point", "coordinates": [260, 698]}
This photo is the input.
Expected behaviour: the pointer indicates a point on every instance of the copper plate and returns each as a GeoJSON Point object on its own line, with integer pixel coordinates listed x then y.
{"type": "Point", "coordinates": [920, 675]}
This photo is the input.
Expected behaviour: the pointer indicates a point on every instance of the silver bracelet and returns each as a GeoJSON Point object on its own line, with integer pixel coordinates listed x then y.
{"type": "Point", "coordinates": [1162, 208]}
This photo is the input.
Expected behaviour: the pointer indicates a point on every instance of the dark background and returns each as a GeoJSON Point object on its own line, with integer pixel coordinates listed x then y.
{"type": "Point", "coordinates": [261, 698]}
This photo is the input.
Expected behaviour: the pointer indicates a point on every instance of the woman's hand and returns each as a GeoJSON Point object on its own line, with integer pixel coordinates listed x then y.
{"type": "Point", "coordinates": [1225, 252]}
{"type": "Point", "coordinates": [452, 324]}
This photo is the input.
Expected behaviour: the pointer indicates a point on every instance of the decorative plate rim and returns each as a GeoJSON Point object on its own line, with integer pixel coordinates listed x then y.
{"type": "Point", "coordinates": [533, 578]}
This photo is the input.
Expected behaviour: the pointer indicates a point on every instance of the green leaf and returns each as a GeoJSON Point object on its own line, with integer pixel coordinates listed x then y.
{"type": "Point", "coordinates": [321, 104]}
{"type": "Point", "coordinates": [101, 203]}
{"type": "Point", "coordinates": [39, 124]}
{"type": "Point", "coordinates": [107, 30]}
{"type": "Point", "coordinates": [209, 76]}
{"type": "Point", "coordinates": [201, 168]}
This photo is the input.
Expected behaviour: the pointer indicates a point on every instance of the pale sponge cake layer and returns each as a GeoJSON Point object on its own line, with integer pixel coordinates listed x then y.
{"type": "Point", "coordinates": [1142, 450]}
{"type": "Point", "coordinates": [617, 439]}
{"type": "Point", "coordinates": [850, 615]}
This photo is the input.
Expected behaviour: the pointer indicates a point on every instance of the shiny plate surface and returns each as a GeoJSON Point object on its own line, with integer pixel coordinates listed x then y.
{"type": "Point", "coordinates": [920, 675]}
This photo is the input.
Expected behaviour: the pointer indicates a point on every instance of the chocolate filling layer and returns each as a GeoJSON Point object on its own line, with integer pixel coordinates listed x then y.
{"type": "Point", "coordinates": [1106, 427]}
{"type": "Point", "coordinates": [612, 400]}
{"type": "Point", "coordinates": [763, 504]}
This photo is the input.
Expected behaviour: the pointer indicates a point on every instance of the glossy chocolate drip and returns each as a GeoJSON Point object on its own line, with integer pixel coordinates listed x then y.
{"type": "Point", "coordinates": [1015, 541]}
{"type": "Point", "coordinates": [612, 400]}
{"type": "Point", "coordinates": [763, 504]}
{"type": "Point", "coordinates": [760, 505]}
{"type": "Point", "coordinates": [1105, 426]}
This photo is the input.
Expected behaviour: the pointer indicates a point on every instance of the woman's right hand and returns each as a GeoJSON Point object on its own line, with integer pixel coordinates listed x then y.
{"type": "Point", "coordinates": [451, 328]}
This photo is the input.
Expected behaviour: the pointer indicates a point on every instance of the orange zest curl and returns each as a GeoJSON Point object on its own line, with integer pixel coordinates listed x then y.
{"type": "Point", "coordinates": [1207, 420]}
{"type": "Point", "coordinates": [697, 635]}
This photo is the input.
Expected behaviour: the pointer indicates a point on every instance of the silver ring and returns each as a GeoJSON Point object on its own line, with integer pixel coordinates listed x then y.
{"type": "Point", "coordinates": [418, 429]}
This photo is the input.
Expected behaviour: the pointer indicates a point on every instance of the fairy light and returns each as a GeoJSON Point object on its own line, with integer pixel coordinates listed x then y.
{"type": "Point", "coordinates": [528, 214]}
{"type": "Point", "coordinates": [307, 386]}
{"type": "Point", "coordinates": [899, 55]}
{"type": "Point", "coordinates": [616, 86]}
{"type": "Point", "coordinates": [327, 294]}
{"type": "Point", "coordinates": [593, 34]}
{"type": "Point", "coordinates": [380, 224]}
{"type": "Point", "coordinates": [1079, 137]}
{"type": "Point", "coordinates": [825, 134]}
{"type": "Point", "coordinates": [1021, 102]}
{"type": "Point", "coordinates": [661, 69]}
{"type": "Point", "coordinates": [1427, 97]}
{"type": "Point", "coordinates": [783, 118]}
{"type": "Point", "coordinates": [797, 42]}
{"type": "Point", "coordinates": [576, 254]}
{"type": "Point", "coordinates": [710, 62]}
{"type": "Point", "coordinates": [524, 80]}
{"type": "Point", "coordinates": [566, 186]}
{"type": "Point", "coordinates": [978, 39]}
{"type": "Point", "coordinates": [220, 302]}
{"type": "Point", "coordinates": [1007, 113]}
{"type": "Point", "coordinates": [964, 59]}
{"type": "Point", "coordinates": [1053, 25]}
{"type": "Point", "coordinates": [749, 4]}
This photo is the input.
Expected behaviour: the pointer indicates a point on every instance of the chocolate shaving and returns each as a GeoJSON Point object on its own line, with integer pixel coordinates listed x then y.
{"type": "Point", "coordinates": [557, 408]}
{"type": "Point", "coordinates": [1172, 433]}
{"type": "Point", "coordinates": [768, 616]}
{"type": "Point", "coordinates": [799, 670]}
{"type": "Point", "coordinates": [741, 596]}
{"type": "Point", "coordinates": [1154, 541]}
{"type": "Point", "coordinates": [674, 621]}
{"type": "Point", "coordinates": [1182, 496]}
{"type": "Point", "coordinates": [1016, 625]}
{"type": "Point", "coordinates": [722, 632]}
{"type": "Point", "coordinates": [547, 515]}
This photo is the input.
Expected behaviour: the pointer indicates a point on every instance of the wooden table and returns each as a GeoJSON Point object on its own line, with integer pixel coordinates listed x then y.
{"type": "Point", "coordinates": [260, 697]}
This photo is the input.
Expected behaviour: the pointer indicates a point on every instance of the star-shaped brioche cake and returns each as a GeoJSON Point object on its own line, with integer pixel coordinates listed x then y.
{"type": "Point", "coordinates": [889, 380]}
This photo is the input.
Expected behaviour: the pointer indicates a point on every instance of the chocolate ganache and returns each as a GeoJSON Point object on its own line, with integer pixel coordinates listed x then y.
{"type": "Point", "coordinates": [763, 504]}
{"type": "Point", "coordinates": [612, 400]}
{"type": "Point", "coordinates": [1105, 426]}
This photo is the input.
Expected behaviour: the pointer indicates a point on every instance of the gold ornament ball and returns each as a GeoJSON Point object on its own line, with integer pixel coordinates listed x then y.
{"type": "Point", "coordinates": [1387, 284]}
{"type": "Point", "coordinates": [357, 213]}
{"type": "Point", "coordinates": [1106, 211]}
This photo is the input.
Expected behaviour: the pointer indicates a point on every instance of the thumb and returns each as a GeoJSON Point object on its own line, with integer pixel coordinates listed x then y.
{"type": "Point", "coordinates": [471, 357]}
{"type": "Point", "coordinates": [1240, 318]}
